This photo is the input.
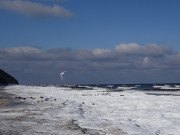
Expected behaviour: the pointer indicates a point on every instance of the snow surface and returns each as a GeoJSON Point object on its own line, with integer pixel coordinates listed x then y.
{"type": "Point", "coordinates": [58, 110]}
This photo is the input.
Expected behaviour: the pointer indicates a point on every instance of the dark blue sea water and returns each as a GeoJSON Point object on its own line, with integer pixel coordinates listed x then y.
{"type": "Point", "coordinates": [123, 87]}
{"type": "Point", "coordinates": [146, 87]}
{"type": "Point", "coordinates": [151, 89]}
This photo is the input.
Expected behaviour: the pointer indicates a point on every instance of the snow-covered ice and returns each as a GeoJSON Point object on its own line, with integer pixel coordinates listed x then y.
{"type": "Point", "coordinates": [60, 110]}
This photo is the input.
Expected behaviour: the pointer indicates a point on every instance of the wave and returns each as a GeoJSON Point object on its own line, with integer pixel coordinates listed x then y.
{"type": "Point", "coordinates": [121, 87]}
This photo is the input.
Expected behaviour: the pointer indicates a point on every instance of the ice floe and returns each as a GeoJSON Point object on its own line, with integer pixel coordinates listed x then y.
{"type": "Point", "coordinates": [62, 110]}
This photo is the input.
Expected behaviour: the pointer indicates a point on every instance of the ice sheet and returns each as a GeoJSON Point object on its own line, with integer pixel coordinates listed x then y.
{"type": "Point", "coordinates": [96, 111]}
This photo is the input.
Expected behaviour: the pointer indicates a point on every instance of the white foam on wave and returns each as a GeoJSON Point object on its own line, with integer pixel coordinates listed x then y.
{"type": "Point", "coordinates": [167, 87]}
{"type": "Point", "coordinates": [177, 86]}
{"type": "Point", "coordinates": [99, 111]}
{"type": "Point", "coordinates": [125, 88]}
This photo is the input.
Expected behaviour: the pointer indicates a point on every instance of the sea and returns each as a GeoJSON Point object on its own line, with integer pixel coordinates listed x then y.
{"type": "Point", "coordinates": [141, 87]}
{"type": "Point", "coordinates": [154, 89]}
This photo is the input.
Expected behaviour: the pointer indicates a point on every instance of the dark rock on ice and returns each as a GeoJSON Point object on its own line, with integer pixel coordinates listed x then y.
{"type": "Point", "coordinates": [6, 79]}
{"type": "Point", "coordinates": [47, 99]}
{"type": "Point", "coordinates": [20, 98]}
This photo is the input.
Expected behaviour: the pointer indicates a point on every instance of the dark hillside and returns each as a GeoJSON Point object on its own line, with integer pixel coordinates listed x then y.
{"type": "Point", "coordinates": [6, 79]}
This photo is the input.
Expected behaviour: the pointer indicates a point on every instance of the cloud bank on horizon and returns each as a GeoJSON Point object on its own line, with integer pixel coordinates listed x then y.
{"type": "Point", "coordinates": [131, 63]}
{"type": "Point", "coordinates": [34, 9]}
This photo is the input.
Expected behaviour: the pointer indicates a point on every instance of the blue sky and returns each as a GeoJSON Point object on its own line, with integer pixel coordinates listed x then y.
{"type": "Point", "coordinates": [96, 24]}
{"type": "Point", "coordinates": [99, 28]}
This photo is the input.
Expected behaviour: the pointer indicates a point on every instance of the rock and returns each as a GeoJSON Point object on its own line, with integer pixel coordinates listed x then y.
{"type": "Point", "coordinates": [20, 98]}
{"type": "Point", "coordinates": [6, 79]}
{"type": "Point", "coordinates": [47, 99]}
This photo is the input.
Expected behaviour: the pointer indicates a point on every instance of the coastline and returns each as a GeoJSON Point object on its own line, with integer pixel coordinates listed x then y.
{"type": "Point", "coordinates": [21, 117]}
{"type": "Point", "coordinates": [62, 110]}
{"type": "Point", "coordinates": [5, 98]}
{"type": "Point", "coordinates": [35, 113]}
{"type": "Point", "coordinates": [8, 106]}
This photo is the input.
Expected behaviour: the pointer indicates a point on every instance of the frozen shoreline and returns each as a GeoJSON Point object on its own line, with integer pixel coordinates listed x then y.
{"type": "Point", "coordinates": [57, 110]}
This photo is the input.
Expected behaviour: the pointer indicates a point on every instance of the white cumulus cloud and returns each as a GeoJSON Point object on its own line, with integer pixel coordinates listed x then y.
{"type": "Point", "coordinates": [148, 50]}
{"type": "Point", "coordinates": [33, 9]}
